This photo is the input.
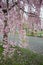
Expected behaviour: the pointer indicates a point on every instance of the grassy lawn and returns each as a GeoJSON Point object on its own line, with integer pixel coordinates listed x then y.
{"type": "Point", "coordinates": [1, 48]}
{"type": "Point", "coordinates": [22, 57]}
{"type": "Point", "coordinates": [39, 34]}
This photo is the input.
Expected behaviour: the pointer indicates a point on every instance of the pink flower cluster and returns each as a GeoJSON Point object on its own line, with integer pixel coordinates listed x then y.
{"type": "Point", "coordinates": [7, 29]}
{"type": "Point", "coordinates": [8, 49]}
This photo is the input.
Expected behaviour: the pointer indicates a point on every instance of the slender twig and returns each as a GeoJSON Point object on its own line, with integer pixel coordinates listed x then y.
{"type": "Point", "coordinates": [13, 5]}
{"type": "Point", "coordinates": [27, 13]}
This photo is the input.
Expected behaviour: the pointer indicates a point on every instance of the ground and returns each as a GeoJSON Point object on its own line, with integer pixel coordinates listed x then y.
{"type": "Point", "coordinates": [35, 44]}
{"type": "Point", "coordinates": [22, 57]}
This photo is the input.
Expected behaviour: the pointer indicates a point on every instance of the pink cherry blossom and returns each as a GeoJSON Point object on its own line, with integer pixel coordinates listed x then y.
{"type": "Point", "coordinates": [5, 46]}
{"type": "Point", "coordinates": [7, 29]}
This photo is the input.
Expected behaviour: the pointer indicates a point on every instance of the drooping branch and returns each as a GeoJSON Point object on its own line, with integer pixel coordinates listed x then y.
{"type": "Point", "coordinates": [13, 5]}
{"type": "Point", "coordinates": [27, 13]}
{"type": "Point", "coordinates": [7, 3]}
{"type": "Point", "coordinates": [16, 4]}
{"type": "Point", "coordinates": [30, 4]}
{"type": "Point", "coordinates": [40, 2]}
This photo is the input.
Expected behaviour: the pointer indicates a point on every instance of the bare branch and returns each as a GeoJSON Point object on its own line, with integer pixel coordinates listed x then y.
{"type": "Point", "coordinates": [27, 13]}
{"type": "Point", "coordinates": [7, 3]}
{"type": "Point", "coordinates": [13, 5]}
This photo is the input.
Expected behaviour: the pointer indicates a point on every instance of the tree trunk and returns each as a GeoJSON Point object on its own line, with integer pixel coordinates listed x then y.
{"type": "Point", "coordinates": [5, 34]}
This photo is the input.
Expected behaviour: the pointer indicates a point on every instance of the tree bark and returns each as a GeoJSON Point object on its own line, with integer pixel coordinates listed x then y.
{"type": "Point", "coordinates": [5, 34]}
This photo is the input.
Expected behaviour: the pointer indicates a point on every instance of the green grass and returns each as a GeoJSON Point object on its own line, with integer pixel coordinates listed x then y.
{"type": "Point", "coordinates": [23, 57]}
{"type": "Point", "coordinates": [29, 34]}
{"type": "Point", "coordinates": [1, 48]}
{"type": "Point", "coordinates": [39, 34]}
